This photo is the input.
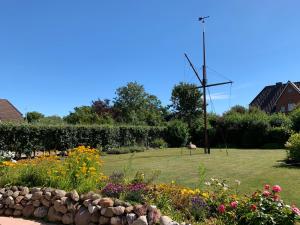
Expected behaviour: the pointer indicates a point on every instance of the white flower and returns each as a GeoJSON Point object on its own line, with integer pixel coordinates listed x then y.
{"type": "Point", "coordinates": [238, 182]}
{"type": "Point", "coordinates": [207, 183]}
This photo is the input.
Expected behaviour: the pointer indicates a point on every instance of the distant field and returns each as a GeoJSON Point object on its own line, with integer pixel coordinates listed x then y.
{"type": "Point", "coordinates": [253, 168]}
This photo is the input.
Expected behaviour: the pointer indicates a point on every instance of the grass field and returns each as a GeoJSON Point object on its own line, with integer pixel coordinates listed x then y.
{"type": "Point", "coordinates": [253, 168]}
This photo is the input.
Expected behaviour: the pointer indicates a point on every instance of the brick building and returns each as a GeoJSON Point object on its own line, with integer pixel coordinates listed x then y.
{"type": "Point", "coordinates": [278, 98]}
{"type": "Point", "coordinates": [8, 112]}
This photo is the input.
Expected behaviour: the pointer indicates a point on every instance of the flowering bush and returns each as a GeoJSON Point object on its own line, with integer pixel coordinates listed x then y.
{"type": "Point", "coordinates": [262, 207]}
{"type": "Point", "coordinates": [293, 145]}
{"type": "Point", "coordinates": [81, 170]}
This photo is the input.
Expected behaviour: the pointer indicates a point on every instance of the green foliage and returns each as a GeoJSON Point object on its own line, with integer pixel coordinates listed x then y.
{"type": "Point", "coordinates": [125, 150]}
{"type": "Point", "coordinates": [158, 143]}
{"type": "Point", "coordinates": [197, 130]}
{"type": "Point", "coordinates": [34, 116]}
{"type": "Point", "coordinates": [186, 102]}
{"type": "Point", "coordinates": [295, 117]}
{"type": "Point", "coordinates": [134, 106]}
{"type": "Point", "coordinates": [177, 133]}
{"type": "Point", "coordinates": [276, 137]}
{"type": "Point", "coordinates": [237, 109]}
{"type": "Point", "coordinates": [86, 115]}
{"type": "Point", "coordinates": [244, 129]}
{"type": "Point", "coordinates": [51, 120]}
{"type": "Point", "coordinates": [280, 120]}
{"type": "Point", "coordinates": [24, 138]}
{"type": "Point", "coordinates": [293, 145]}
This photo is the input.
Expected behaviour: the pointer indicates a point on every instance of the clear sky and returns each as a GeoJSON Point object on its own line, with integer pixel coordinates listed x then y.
{"type": "Point", "coordinates": [58, 54]}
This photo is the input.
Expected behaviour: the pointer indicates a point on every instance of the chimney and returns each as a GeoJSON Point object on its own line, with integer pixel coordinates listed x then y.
{"type": "Point", "coordinates": [278, 83]}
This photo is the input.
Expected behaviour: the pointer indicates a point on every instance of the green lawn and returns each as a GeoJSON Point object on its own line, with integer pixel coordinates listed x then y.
{"type": "Point", "coordinates": [253, 168]}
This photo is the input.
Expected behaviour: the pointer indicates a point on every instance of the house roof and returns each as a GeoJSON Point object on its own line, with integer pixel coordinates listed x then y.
{"type": "Point", "coordinates": [8, 112]}
{"type": "Point", "coordinates": [267, 98]}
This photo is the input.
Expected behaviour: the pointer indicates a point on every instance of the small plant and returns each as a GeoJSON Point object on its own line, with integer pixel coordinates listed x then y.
{"type": "Point", "coordinates": [158, 143]}
{"type": "Point", "coordinates": [80, 170]}
{"type": "Point", "coordinates": [293, 146]}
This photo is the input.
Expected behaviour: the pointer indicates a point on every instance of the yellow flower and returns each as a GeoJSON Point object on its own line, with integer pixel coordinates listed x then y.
{"type": "Point", "coordinates": [205, 195]}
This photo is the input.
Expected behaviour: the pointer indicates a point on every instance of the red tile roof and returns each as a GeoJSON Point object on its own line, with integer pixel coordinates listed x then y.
{"type": "Point", "coordinates": [266, 99]}
{"type": "Point", "coordinates": [8, 112]}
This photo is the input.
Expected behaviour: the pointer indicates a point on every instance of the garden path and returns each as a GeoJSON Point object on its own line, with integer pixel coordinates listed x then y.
{"type": "Point", "coordinates": [19, 221]}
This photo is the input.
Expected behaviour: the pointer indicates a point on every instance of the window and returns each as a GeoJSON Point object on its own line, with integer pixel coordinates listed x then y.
{"type": "Point", "coordinates": [290, 90]}
{"type": "Point", "coordinates": [291, 106]}
{"type": "Point", "coordinates": [282, 109]}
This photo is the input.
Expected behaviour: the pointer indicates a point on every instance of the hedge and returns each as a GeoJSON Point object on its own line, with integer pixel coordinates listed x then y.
{"type": "Point", "coordinates": [25, 138]}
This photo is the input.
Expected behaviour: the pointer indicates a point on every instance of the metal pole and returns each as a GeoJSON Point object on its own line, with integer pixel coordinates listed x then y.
{"type": "Point", "coordinates": [206, 147]}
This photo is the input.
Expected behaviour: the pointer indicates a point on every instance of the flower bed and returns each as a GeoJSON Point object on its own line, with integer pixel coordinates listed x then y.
{"type": "Point", "coordinates": [218, 203]}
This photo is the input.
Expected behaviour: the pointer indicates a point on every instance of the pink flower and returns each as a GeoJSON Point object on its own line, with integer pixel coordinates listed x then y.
{"type": "Point", "coordinates": [276, 198]}
{"type": "Point", "coordinates": [276, 188]}
{"type": "Point", "coordinates": [267, 187]}
{"type": "Point", "coordinates": [221, 208]}
{"type": "Point", "coordinates": [253, 207]}
{"type": "Point", "coordinates": [296, 210]}
{"type": "Point", "coordinates": [266, 193]}
{"type": "Point", "coordinates": [234, 204]}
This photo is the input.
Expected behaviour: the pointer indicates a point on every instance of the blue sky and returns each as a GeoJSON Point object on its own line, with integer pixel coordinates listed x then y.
{"type": "Point", "coordinates": [58, 54]}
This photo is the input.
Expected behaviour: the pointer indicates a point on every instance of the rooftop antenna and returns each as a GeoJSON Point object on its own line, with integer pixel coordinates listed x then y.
{"type": "Point", "coordinates": [204, 85]}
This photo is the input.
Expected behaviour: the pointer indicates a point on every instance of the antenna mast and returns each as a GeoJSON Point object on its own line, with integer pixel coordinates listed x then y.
{"type": "Point", "coordinates": [204, 82]}
{"type": "Point", "coordinates": [204, 85]}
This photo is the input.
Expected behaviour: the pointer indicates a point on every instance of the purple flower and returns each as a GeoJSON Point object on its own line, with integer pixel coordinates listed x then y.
{"type": "Point", "coordinates": [113, 190]}
{"type": "Point", "coordinates": [198, 203]}
{"type": "Point", "coordinates": [136, 187]}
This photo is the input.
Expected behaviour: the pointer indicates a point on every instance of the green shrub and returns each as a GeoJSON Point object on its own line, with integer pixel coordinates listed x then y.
{"type": "Point", "coordinates": [158, 143]}
{"type": "Point", "coordinates": [125, 150]}
{"type": "Point", "coordinates": [295, 117]}
{"type": "Point", "coordinates": [28, 138]}
{"type": "Point", "coordinates": [276, 137]}
{"type": "Point", "coordinates": [177, 133]}
{"type": "Point", "coordinates": [197, 130]}
{"type": "Point", "coordinates": [280, 120]}
{"type": "Point", "coordinates": [293, 146]}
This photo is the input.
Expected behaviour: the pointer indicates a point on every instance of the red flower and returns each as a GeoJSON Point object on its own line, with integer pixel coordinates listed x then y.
{"type": "Point", "coordinates": [221, 208]}
{"type": "Point", "coordinates": [267, 187]}
{"type": "Point", "coordinates": [276, 188]}
{"type": "Point", "coordinates": [266, 193]}
{"type": "Point", "coordinates": [234, 204]}
{"type": "Point", "coordinates": [253, 207]}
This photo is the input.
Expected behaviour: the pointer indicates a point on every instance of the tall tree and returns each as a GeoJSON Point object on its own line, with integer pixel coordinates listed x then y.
{"type": "Point", "coordinates": [82, 115]}
{"type": "Point", "coordinates": [186, 101]}
{"type": "Point", "coordinates": [33, 117]}
{"type": "Point", "coordinates": [133, 105]}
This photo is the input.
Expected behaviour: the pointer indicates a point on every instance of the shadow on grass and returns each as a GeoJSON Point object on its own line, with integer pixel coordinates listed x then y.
{"type": "Point", "coordinates": [287, 164]}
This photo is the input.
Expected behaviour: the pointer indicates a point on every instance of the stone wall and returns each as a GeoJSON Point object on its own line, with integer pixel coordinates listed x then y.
{"type": "Point", "coordinates": [69, 208]}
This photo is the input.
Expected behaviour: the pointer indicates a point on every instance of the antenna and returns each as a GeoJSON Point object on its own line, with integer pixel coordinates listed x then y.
{"type": "Point", "coordinates": [204, 85]}
{"type": "Point", "coordinates": [202, 19]}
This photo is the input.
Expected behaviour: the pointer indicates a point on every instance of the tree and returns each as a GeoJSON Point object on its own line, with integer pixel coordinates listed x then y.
{"type": "Point", "coordinates": [51, 120]}
{"type": "Point", "coordinates": [186, 102]}
{"type": "Point", "coordinates": [84, 115]}
{"type": "Point", "coordinates": [34, 116]}
{"type": "Point", "coordinates": [133, 105]}
{"type": "Point", "coordinates": [237, 109]}
{"type": "Point", "coordinates": [102, 107]}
